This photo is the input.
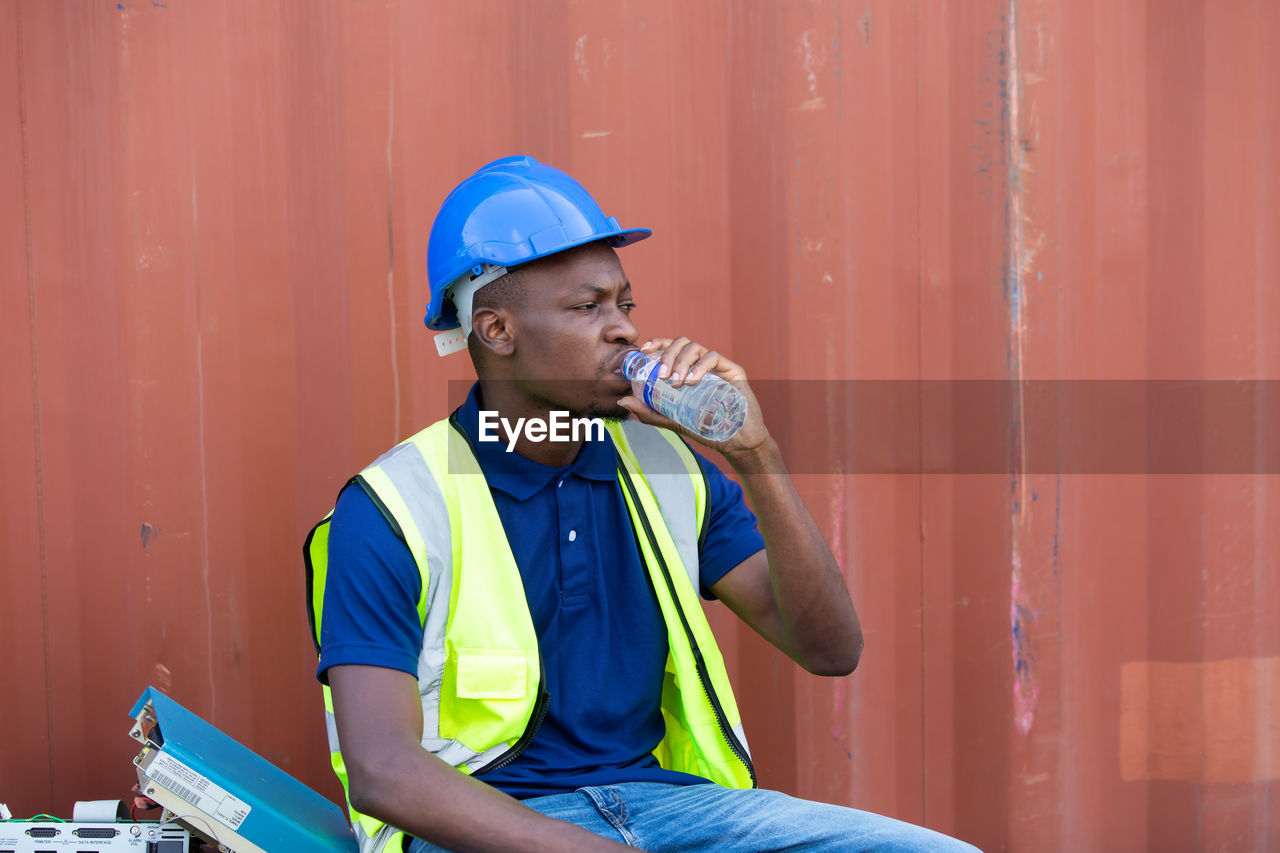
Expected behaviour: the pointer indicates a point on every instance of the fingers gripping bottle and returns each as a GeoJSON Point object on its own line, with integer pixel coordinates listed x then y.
{"type": "Point", "coordinates": [712, 407]}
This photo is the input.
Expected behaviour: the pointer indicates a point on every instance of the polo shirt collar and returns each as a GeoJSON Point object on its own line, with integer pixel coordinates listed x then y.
{"type": "Point", "coordinates": [520, 477]}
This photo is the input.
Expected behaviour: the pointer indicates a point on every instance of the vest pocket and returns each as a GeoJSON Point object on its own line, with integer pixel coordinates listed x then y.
{"type": "Point", "coordinates": [487, 695]}
{"type": "Point", "coordinates": [491, 674]}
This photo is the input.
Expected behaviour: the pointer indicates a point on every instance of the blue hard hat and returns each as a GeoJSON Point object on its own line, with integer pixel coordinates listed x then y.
{"type": "Point", "coordinates": [512, 211]}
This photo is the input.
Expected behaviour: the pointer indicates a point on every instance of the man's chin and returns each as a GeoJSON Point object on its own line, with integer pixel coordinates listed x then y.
{"type": "Point", "coordinates": [609, 413]}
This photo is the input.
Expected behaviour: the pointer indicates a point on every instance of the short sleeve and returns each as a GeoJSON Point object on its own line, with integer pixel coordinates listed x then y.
{"type": "Point", "coordinates": [732, 535]}
{"type": "Point", "coordinates": [371, 591]}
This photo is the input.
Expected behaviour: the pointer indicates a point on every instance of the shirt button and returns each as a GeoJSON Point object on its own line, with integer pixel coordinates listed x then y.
{"type": "Point", "coordinates": [559, 484]}
{"type": "Point", "coordinates": [573, 534]}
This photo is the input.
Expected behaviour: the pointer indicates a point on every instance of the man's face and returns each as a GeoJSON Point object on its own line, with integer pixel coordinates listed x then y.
{"type": "Point", "coordinates": [572, 329]}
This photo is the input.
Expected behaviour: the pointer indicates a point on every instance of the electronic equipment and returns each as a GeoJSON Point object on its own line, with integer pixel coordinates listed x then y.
{"type": "Point", "coordinates": [223, 791]}
{"type": "Point", "coordinates": [97, 837]}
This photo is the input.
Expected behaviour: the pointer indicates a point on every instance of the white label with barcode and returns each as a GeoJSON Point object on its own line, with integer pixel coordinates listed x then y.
{"type": "Point", "coordinates": [198, 790]}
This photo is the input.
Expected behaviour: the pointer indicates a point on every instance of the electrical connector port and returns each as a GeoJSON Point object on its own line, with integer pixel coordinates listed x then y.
{"type": "Point", "coordinates": [165, 846]}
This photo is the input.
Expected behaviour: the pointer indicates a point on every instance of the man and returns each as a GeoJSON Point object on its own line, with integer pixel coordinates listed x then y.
{"type": "Point", "coordinates": [509, 630]}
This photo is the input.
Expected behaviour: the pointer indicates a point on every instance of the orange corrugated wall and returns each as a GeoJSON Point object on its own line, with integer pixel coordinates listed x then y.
{"type": "Point", "coordinates": [213, 222]}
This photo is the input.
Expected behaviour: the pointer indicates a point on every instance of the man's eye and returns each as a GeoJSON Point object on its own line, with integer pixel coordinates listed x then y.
{"type": "Point", "coordinates": [587, 307]}
{"type": "Point", "coordinates": [627, 306]}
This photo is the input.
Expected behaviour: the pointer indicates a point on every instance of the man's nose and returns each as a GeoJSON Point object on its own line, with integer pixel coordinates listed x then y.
{"type": "Point", "coordinates": [621, 328]}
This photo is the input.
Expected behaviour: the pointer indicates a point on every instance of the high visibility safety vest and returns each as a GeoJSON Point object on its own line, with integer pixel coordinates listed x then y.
{"type": "Point", "coordinates": [480, 673]}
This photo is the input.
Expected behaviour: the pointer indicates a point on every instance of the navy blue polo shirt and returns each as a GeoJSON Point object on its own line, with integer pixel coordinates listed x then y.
{"type": "Point", "coordinates": [600, 631]}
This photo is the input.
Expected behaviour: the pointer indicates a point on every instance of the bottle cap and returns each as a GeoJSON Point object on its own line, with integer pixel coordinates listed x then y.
{"type": "Point", "coordinates": [633, 361]}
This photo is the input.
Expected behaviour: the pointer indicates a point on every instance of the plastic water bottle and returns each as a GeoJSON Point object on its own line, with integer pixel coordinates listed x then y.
{"type": "Point", "coordinates": [712, 407]}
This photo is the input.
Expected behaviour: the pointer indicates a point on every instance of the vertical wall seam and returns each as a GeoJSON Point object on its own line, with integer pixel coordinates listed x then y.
{"type": "Point", "coordinates": [391, 244]}
{"type": "Point", "coordinates": [920, 295]}
{"type": "Point", "coordinates": [202, 418]}
{"type": "Point", "coordinates": [1025, 684]}
{"type": "Point", "coordinates": [42, 530]}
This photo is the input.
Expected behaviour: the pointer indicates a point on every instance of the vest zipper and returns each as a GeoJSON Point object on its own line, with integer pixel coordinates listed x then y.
{"type": "Point", "coordinates": [734, 744]}
{"type": "Point", "coordinates": [700, 665]}
{"type": "Point", "coordinates": [535, 722]}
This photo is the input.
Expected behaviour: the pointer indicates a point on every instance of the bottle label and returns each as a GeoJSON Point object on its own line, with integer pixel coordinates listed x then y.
{"type": "Point", "coordinates": [649, 382]}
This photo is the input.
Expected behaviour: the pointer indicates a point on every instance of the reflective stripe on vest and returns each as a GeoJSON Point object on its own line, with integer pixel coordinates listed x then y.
{"type": "Point", "coordinates": [479, 672]}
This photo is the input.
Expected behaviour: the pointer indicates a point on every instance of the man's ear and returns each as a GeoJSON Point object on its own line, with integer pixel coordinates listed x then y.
{"type": "Point", "coordinates": [494, 331]}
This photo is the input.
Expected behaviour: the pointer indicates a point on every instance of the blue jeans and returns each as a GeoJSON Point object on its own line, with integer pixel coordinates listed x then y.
{"type": "Point", "coordinates": [665, 818]}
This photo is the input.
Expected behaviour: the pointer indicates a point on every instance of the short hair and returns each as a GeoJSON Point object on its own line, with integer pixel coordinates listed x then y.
{"type": "Point", "coordinates": [507, 291]}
